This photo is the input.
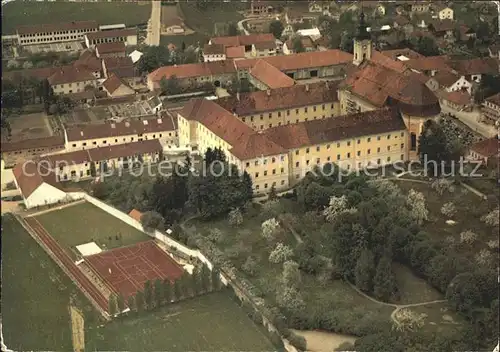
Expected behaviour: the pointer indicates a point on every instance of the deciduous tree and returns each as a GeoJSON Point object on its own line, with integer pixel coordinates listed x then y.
{"type": "Point", "coordinates": [276, 28]}
{"type": "Point", "coordinates": [365, 271]}
{"type": "Point", "coordinates": [385, 287]}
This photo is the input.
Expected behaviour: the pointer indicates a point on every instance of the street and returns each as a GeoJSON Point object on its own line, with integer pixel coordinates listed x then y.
{"type": "Point", "coordinates": [471, 120]}
{"type": "Point", "coordinates": [154, 24]}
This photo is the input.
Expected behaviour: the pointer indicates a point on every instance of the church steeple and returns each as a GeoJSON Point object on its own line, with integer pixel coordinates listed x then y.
{"type": "Point", "coordinates": [362, 42]}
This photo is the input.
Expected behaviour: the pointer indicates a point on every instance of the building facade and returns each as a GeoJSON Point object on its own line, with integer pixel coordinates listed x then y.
{"type": "Point", "coordinates": [55, 33]}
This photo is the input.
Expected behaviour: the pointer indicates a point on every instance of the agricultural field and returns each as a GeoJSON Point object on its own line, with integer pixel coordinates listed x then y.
{"type": "Point", "coordinates": [83, 223]}
{"type": "Point", "coordinates": [19, 13]}
{"type": "Point", "coordinates": [215, 323]}
{"type": "Point", "coordinates": [204, 22]}
{"type": "Point", "coordinates": [35, 294]}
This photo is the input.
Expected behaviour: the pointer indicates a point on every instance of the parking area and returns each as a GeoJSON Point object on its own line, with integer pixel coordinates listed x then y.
{"type": "Point", "coordinates": [54, 47]}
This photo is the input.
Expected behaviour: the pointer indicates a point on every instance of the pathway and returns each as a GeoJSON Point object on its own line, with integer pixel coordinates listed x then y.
{"type": "Point", "coordinates": [242, 28]}
{"type": "Point", "coordinates": [471, 119]}
{"type": "Point", "coordinates": [154, 25]}
{"type": "Point", "coordinates": [36, 213]}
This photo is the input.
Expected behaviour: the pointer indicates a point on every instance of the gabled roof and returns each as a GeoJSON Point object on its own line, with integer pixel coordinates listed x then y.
{"type": "Point", "coordinates": [486, 65]}
{"type": "Point", "coordinates": [30, 175]}
{"type": "Point", "coordinates": [46, 142]}
{"type": "Point", "coordinates": [430, 63]}
{"type": "Point", "coordinates": [193, 70]}
{"type": "Point", "coordinates": [88, 60]}
{"type": "Point", "coordinates": [47, 28]}
{"type": "Point", "coordinates": [109, 48]}
{"type": "Point", "coordinates": [494, 99]}
{"type": "Point", "coordinates": [299, 95]}
{"type": "Point", "coordinates": [270, 75]}
{"type": "Point", "coordinates": [487, 148]}
{"type": "Point", "coordinates": [235, 52]}
{"type": "Point", "coordinates": [446, 78]}
{"type": "Point", "coordinates": [213, 49]}
{"type": "Point", "coordinates": [70, 74]}
{"type": "Point", "coordinates": [113, 82]}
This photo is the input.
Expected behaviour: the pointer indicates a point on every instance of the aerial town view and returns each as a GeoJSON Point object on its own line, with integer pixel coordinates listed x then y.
{"type": "Point", "coordinates": [250, 175]}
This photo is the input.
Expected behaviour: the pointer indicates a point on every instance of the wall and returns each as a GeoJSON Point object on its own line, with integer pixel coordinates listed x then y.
{"type": "Point", "coordinates": [7, 176]}
{"type": "Point", "coordinates": [43, 195]}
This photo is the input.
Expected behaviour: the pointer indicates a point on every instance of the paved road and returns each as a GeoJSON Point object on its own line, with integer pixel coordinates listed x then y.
{"type": "Point", "coordinates": [471, 119]}
{"type": "Point", "coordinates": [74, 273]}
{"type": "Point", "coordinates": [154, 24]}
{"type": "Point", "coordinates": [241, 28]}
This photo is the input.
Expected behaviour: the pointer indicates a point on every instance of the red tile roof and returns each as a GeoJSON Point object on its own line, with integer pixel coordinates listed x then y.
{"type": "Point", "coordinates": [88, 60]}
{"type": "Point", "coordinates": [235, 52]}
{"type": "Point", "coordinates": [246, 143]}
{"type": "Point", "coordinates": [135, 214]}
{"type": "Point", "coordinates": [283, 98]}
{"type": "Point", "coordinates": [243, 39]}
{"type": "Point", "coordinates": [395, 53]}
{"type": "Point", "coordinates": [70, 74]}
{"type": "Point", "coordinates": [95, 131]}
{"type": "Point", "coordinates": [446, 78]}
{"type": "Point", "coordinates": [111, 34]}
{"type": "Point", "coordinates": [430, 63]}
{"type": "Point", "coordinates": [47, 28]}
{"type": "Point", "coordinates": [307, 42]}
{"type": "Point", "coordinates": [494, 99]}
{"type": "Point", "coordinates": [477, 66]}
{"type": "Point", "coordinates": [487, 148]}
{"type": "Point", "coordinates": [301, 60]}
{"type": "Point", "coordinates": [30, 175]}
{"type": "Point", "coordinates": [380, 86]}
{"type": "Point", "coordinates": [213, 49]}
{"type": "Point", "coordinates": [460, 98]}
{"type": "Point", "coordinates": [109, 48]}
{"type": "Point", "coordinates": [102, 153]}
{"type": "Point", "coordinates": [265, 45]}
{"type": "Point", "coordinates": [384, 60]}
{"type": "Point", "coordinates": [39, 73]}
{"type": "Point", "coordinates": [46, 142]}
{"type": "Point", "coordinates": [193, 70]}
{"type": "Point", "coordinates": [270, 75]}
{"type": "Point", "coordinates": [112, 83]}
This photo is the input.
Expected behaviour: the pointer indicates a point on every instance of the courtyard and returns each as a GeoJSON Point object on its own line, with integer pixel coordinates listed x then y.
{"type": "Point", "coordinates": [30, 126]}
{"type": "Point", "coordinates": [54, 47]}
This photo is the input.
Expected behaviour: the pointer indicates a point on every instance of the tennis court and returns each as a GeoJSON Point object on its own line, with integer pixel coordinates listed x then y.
{"type": "Point", "coordinates": [126, 269]}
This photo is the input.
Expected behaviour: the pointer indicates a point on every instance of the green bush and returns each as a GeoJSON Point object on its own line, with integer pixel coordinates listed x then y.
{"type": "Point", "coordinates": [297, 341]}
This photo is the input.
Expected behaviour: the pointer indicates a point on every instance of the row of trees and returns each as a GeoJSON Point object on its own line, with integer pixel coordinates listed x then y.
{"type": "Point", "coordinates": [157, 56]}
{"type": "Point", "coordinates": [163, 292]}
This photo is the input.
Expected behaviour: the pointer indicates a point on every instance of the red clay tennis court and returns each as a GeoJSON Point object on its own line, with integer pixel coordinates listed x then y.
{"type": "Point", "coordinates": [126, 269]}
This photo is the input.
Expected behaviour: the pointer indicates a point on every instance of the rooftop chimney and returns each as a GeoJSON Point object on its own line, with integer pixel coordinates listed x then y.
{"type": "Point", "coordinates": [81, 133]}
{"type": "Point", "coordinates": [145, 122]}
{"type": "Point", "coordinates": [307, 87]}
{"type": "Point", "coordinates": [127, 124]}
{"type": "Point", "coordinates": [268, 92]}
{"type": "Point", "coordinates": [159, 121]}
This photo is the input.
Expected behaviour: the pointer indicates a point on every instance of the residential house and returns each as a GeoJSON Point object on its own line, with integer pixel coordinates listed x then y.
{"type": "Point", "coordinates": [90, 62]}
{"type": "Point", "coordinates": [474, 69]}
{"type": "Point", "coordinates": [307, 44]}
{"type": "Point", "coordinates": [403, 54]}
{"type": "Point", "coordinates": [319, 6]}
{"type": "Point", "coordinates": [172, 26]}
{"type": "Point", "coordinates": [81, 164]}
{"type": "Point", "coordinates": [107, 134]}
{"type": "Point", "coordinates": [19, 151]}
{"type": "Point", "coordinates": [283, 106]}
{"type": "Point", "coordinates": [430, 65]}
{"type": "Point", "coordinates": [491, 108]}
{"type": "Point", "coordinates": [459, 100]}
{"type": "Point", "coordinates": [115, 87]}
{"type": "Point", "coordinates": [466, 33]}
{"type": "Point", "coordinates": [486, 151]}
{"type": "Point", "coordinates": [126, 36]}
{"type": "Point", "coordinates": [442, 29]}
{"type": "Point", "coordinates": [421, 6]}
{"type": "Point", "coordinates": [123, 67]}
{"type": "Point", "coordinates": [116, 49]}
{"type": "Point", "coordinates": [55, 33]}
{"type": "Point", "coordinates": [444, 12]}
{"type": "Point", "coordinates": [71, 79]}
{"type": "Point", "coordinates": [255, 44]}
{"type": "Point", "coordinates": [155, 104]}
{"type": "Point", "coordinates": [313, 33]}
{"type": "Point", "coordinates": [214, 52]}
{"type": "Point", "coordinates": [451, 81]}
{"type": "Point", "coordinates": [264, 76]}
{"type": "Point", "coordinates": [404, 24]}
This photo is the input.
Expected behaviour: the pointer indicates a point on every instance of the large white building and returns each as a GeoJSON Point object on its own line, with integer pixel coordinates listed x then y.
{"type": "Point", "coordinates": [54, 33]}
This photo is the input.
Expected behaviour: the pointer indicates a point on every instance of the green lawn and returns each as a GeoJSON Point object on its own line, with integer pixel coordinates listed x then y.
{"type": "Point", "coordinates": [17, 13]}
{"type": "Point", "coordinates": [413, 289]}
{"type": "Point", "coordinates": [84, 222]}
{"type": "Point", "coordinates": [212, 322]}
{"type": "Point", "coordinates": [204, 21]}
{"type": "Point", "coordinates": [190, 39]}
{"type": "Point", "coordinates": [35, 294]}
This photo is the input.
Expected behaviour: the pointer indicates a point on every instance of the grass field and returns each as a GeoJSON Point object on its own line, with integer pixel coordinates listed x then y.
{"type": "Point", "coordinates": [212, 322]}
{"type": "Point", "coordinates": [17, 13]}
{"type": "Point", "coordinates": [413, 289]}
{"type": "Point", "coordinates": [204, 21]}
{"type": "Point", "coordinates": [84, 222]}
{"type": "Point", "coordinates": [35, 294]}
{"type": "Point", "coordinates": [190, 39]}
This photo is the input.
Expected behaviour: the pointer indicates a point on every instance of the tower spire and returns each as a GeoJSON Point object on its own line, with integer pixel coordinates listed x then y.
{"type": "Point", "coordinates": [362, 33]}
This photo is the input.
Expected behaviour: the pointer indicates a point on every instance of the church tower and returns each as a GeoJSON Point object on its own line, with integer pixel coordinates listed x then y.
{"type": "Point", "coordinates": [362, 42]}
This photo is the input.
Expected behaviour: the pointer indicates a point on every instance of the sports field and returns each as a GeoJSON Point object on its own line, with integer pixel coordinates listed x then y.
{"type": "Point", "coordinates": [35, 294]}
{"type": "Point", "coordinates": [18, 13]}
{"type": "Point", "coordinates": [84, 222]}
{"type": "Point", "coordinates": [212, 322]}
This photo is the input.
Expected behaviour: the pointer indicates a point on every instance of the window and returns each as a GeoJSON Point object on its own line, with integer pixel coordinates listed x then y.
{"type": "Point", "coordinates": [297, 164]}
{"type": "Point", "coordinates": [318, 161]}
{"type": "Point", "coordinates": [307, 150]}
{"type": "Point", "coordinates": [305, 109]}
{"type": "Point", "coordinates": [348, 155]}
{"type": "Point", "coordinates": [256, 163]}
{"type": "Point", "coordinates": [369, 139]}
{"type": "Point", "coordinates": [328, 159]}
{"type": "Point", "coordinates": [328, 146]}
{"type": "Point", "coordinates": [265, 173]}
{"type": "Point", "coordinates": [288, 113]}
{"type": "Point", "coordinates": [378, 150]}
{"type": "Point", "coordinates": [402, 134]}
{"type": "Point", "coordinates": [282, 170]}
{"type": "Point", "coordinates": [402, 145]}
{"type": "Point", "coordinates": [307, 162]}
{"type": "Point", "coordinates": [279, 114]}
{"type": "Point", "coordinates": [265, 185]}
{"type": "Point", "coordinates": [274, 171]}
{"type": "Point", "coordinates": [388, 158]}
{"type": "Point", "coordinates": [314, 108]}
{"type": "Point", "coordinates": [296, 111]}
{"type": "Point", "coordinates": [338, 145]}
{"type": "Point", "coordinates": [84, 144]}
{"type": "Point", "coordinates": [242, 119]}
{"type": "Point", "coordinates": [256, 174]}
{"type": "Point", "coordinates": [270, 115]}
{"type": "Point", "coordinates": [368, 151]}
{"type": "Point", "coordinates": [359, 141]}
{"type": "Point", "coordinates": [282, 158]}
{"type": "Point", "coordinates": [323, 107]}
{"type": "Point", "coordinates": [359, 153]}
{"type": "Point", "coordinates": [349, 143]}
{"type": "Point", "coordinates": [273, 159]}
{"type": "Point", "coordinates": [257, 187]}
{"type": "Point", "coordinates": [413, 141]}
{"type": "Point", "coordinates": [378, 138]}
{"type": "Point", "coordinates": [247, 164]}
{"type": "Point", "coordinates": [282, 182]}
{"type": "Point", "coordinates": [297, 176]}
{"type": "Point", "coordinates": [317, 149]}
{"type": "Point", "coordinates": [94, 142]}
{"type": "Point", "coordinates": [261, 117]}
{"type": "Point", "coordinates": [296, 152]}
{"type": "Point", "coordinates": [338, 156]}
{"type": "Point", "coordinates": [73, 145]}
{"type": "Point", "coordinates": [378, 161]}
{"type": "Point", "coordinates": [402, 157]}
{"type": "Point", "coordinates": [388, 148]}
{"type": "Point", "coordinates": [388, 136]}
